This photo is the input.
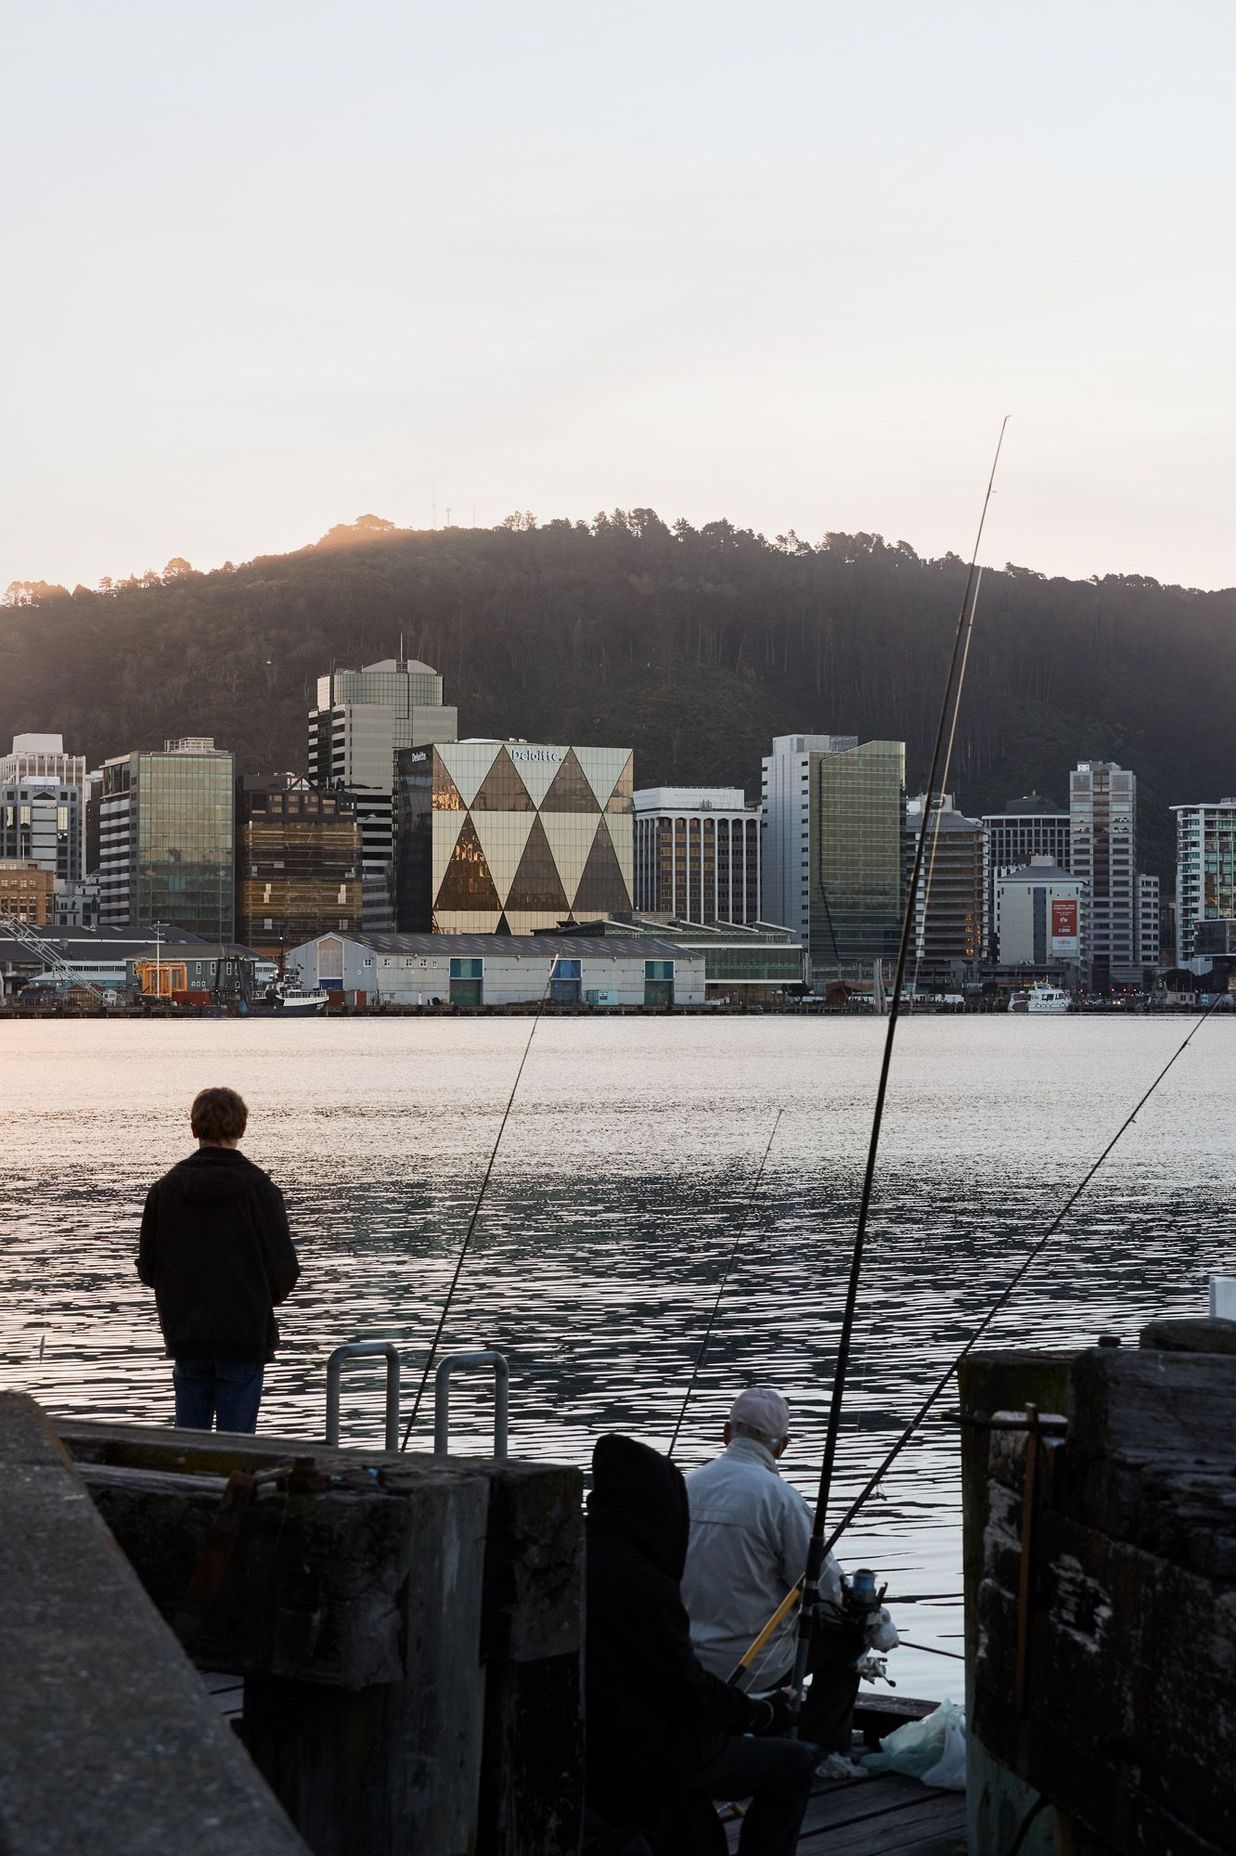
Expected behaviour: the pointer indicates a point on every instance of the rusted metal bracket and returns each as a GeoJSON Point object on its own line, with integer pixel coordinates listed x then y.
{"type": "Point", "coordinates": [299, 1477]}
{"type": "Point", "coordinates": [1046, 1424]}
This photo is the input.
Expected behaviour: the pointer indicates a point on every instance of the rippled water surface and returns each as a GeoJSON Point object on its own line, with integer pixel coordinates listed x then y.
{"type": "Point", "coordinates": [621, 1181]}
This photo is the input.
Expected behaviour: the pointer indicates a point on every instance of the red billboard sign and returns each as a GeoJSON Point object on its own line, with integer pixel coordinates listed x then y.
{"type": "Point", "coordinates": [1063, 920]}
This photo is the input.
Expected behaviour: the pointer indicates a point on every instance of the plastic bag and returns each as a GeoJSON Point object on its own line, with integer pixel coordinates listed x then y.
{"type": "Point", "coordinates": [933, 1749]}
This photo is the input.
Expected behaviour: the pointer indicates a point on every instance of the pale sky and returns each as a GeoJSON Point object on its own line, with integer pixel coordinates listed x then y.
{"type": "Point", "coordinates": [272, 264]}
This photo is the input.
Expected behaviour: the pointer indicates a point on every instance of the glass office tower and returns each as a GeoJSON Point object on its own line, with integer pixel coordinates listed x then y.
{"type": "Point", "coordinates": [166, 839]}
{"type": "Point", "coordinates": [854, 848]}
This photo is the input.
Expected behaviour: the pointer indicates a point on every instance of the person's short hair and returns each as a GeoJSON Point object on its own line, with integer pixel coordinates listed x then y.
{"type": "Point", "coordinates": [762, 1413]}
{"type": "Point", "coordinates": [218, 1115]}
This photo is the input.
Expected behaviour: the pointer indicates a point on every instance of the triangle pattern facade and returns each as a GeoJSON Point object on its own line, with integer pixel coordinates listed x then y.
{"type": "Point", "coordinates": [602, 888]}
{"type": "Point", "coordinates": [537, 885]}
{"type": "Point", "coordinates": [569, 790]}
{"type": "Point", "coordinates": [503, 837]}
{"type": "Point", "coordinates": [502, 789]}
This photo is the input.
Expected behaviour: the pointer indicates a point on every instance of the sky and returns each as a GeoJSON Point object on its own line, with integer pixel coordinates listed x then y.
{"type": "Point", "coordinates": [269, 266]}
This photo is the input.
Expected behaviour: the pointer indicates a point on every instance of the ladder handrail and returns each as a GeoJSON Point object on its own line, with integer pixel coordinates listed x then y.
{"type": "Point", "coordinates": [355, 1350]}
{"type": "Point", "coordinates": [486, 1356]}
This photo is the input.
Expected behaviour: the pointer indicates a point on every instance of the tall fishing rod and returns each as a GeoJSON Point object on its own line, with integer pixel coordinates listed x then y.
{"type": "Point", "coordinates": [916, 1422]}
{"type": "Point", "coordinates": [725, 1276]}
{"type": "Point", "coordinates": [870, 1486]}
{"type": "Point", "coordinates": [952, 695]}
{"type": "Point", "coordinates": [476, 1211]}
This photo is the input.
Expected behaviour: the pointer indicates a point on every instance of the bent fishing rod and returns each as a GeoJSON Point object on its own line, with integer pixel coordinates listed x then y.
{"type": "Point", "coordinates": [725, 1276]}
{"type": "Point", "coordinates": [476, 1212]}
{"type": "Point", "coordinates": [950, 700]}
{"type": "Point", "coordinates": [915, 1424]}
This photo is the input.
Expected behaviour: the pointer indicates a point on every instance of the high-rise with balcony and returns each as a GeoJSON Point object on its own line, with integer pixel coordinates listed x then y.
{"type": "Point", "coordinates": [949, 905]}
{"type": "Point", "coordinates": [298, 872]}
{"type": "Point", "coordinates": [1103, 853]}
{"type": "Point", "coordinates": [166, 839]}
{"type": "Point", "coordinates": [1205, 873]}
{"type": "Point", "coordinates": [42, 806]}
{"type": "Point", "coordinates": [362, 719]}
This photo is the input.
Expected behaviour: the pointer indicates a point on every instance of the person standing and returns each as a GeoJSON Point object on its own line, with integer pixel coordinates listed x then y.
{"type": "Point", "coordinates": [216, 1249]}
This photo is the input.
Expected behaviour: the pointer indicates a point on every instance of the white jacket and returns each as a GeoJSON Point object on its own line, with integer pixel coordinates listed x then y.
{"type": "Point", "coordinates": [748, 1546]}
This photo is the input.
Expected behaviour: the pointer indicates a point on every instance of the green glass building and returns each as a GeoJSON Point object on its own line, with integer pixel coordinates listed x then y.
{"type": "Point", "coordinates": [167, 839]}
{"type": "Point", "coordinates": [856, 868]}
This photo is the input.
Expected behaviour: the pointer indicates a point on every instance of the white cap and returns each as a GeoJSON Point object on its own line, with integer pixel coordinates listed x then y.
{"type": "Point", "coordinates": [762, 1409]}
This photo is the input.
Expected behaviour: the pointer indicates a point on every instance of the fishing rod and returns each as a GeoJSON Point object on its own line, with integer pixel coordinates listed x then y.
{"type": "Point", "coordinates": [476, 1212]}
{"type": "Point", "coordinates": [916, 1422]}
{"type": "Point", "coordinates": [873, 1482]}
{"type": "Point", "coordinates": [951, 698]}
{"type": "Point", "coordinates": [725, 1276]}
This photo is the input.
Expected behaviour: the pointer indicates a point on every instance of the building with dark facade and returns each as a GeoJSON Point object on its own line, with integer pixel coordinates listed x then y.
{"type": "Point", "coordinates": [298, 862]}
{"type": "Point", "coordinates": [508, 837]}
{"type": "Point", "coordinates": [167, 839]}
{"type": "Point", "coordinates": [1029, 827]}
{"type": "Point", "coordinates": [949, 906]}
{"type": "Point", "coordinates": [697, 853]}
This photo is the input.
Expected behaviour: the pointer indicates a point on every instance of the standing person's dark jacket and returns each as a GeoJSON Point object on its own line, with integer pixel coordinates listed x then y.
{"type": "Point", "coordinates": [216, 1250]}
{"type": "Point", "coordinates": [652, 1713]}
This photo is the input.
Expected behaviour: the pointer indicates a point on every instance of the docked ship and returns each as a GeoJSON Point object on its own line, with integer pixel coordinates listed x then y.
{"type": "Point", "coordinates": [1041, 998]}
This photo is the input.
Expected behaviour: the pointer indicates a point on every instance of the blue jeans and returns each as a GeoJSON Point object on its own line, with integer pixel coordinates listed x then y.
{"type": "Point", "coordinates": [230, 1390]}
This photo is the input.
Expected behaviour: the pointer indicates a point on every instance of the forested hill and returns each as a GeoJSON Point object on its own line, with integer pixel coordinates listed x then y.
{"type": "Point", "coordinates": [696, 646]}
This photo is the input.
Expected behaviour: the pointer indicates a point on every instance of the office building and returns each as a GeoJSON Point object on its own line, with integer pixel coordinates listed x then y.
{"type": "Point", "coordinates": [1103, 853]}
{"type": "Point", "coordinates": [25, 892]}
{"type": "Point", "coordinates": [1215, 938]}
{"type": "Point", "coordinates": [363, 718]}
{"type": "Point", "coordinates": [1040, 918]}
{"type": "Point", "coordinates": [167, 839]}
{"type": "Point", "coordinates": [832, 829]}
{"type": "Point", "coordinates": [1205, 870]}
{"type": "Point", "coordinates": [42, 806]}
{"type": "Point", "coordinates": [473, 970]}
{"type": "Point", "coordinates": [298, 862]}
{"type": "Point", "coordinates": [949, 906]}
{"type": "Point", "coordinates": [1149, 923]}
{"type": "Point", "coordinates": [1028, 827]}
{"type": "Point", "coordinates": [511, 836]}
{"type": "Point", "coordinates": [697, 853]}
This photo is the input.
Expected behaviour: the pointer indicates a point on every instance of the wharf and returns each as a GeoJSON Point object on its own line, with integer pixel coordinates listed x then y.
{"type": "Point", "coordinates": [886, 1812]}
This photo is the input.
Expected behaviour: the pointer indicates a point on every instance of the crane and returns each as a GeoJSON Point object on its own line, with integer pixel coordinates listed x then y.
{"type": "Point", "coordinates": [47, 951]}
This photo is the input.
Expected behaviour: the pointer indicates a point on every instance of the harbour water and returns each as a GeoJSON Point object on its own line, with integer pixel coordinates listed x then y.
{"type": "Point", "coordinates": [623, 1176]}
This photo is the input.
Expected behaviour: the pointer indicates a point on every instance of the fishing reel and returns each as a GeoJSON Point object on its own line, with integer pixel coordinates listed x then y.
{"type": "Point", "coordinates": [859, 1594]}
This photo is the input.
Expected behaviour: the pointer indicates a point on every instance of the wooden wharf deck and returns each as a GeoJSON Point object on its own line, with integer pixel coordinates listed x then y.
{"type": "Point", "coordinates": [886, 1812]}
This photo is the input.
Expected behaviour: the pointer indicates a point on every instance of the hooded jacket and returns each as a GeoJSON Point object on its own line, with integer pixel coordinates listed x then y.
{"type": "Point", "coordinates": [216, 1250]}
{"type": "Point", "coordinates": [653, 1714]}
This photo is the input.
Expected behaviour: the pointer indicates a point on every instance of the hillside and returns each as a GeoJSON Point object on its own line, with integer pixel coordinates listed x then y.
{"type": "Point", "coordinates": [695, 646]}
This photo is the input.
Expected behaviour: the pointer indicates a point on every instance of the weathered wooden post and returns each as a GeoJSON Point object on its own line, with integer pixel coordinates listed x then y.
{"type": "Point", "coordinates": [409, 1628]}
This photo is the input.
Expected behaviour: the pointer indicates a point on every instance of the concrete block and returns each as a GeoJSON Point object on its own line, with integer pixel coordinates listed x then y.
{"type": "Point", "coordinates": [110, 1745]}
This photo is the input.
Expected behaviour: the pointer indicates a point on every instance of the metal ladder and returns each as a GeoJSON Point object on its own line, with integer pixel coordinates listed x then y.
{"type": "Point", "coordinates": [387, 1350]}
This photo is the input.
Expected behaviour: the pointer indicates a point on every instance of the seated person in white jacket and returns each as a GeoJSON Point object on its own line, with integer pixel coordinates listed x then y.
{"type": "Point", "coordinates": [748, 1547]}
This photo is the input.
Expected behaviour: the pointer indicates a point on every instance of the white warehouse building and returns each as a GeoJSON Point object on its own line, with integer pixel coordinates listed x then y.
{"type": "Point", "coordinates": [501, 969]}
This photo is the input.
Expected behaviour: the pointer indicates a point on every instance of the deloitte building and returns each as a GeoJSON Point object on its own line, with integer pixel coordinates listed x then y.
{"type": "Point", "coordinates": [505, 837]}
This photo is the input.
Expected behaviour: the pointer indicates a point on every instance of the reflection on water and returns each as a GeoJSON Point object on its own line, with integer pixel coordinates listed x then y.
{"type": "Point", "coordinates": [623, 1176]}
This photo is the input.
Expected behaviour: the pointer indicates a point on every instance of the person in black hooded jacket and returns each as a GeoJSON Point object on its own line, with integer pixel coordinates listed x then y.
{"type": "Point", "coordinates": [660, 1731]}
{"type": "Point", "coordinates": [216, 1249]}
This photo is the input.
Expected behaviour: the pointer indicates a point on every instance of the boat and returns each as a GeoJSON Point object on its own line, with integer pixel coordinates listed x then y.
{"type": "Point", "coordinates": [286, 998]}
{"type": "Point", "coordinates": [1041, 998]}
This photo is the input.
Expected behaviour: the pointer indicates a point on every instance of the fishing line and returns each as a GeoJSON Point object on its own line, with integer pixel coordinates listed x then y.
{"type": "Point", "coordinates": [1014, 1282]}
{"type": "Point", "coordinates": [725, 1276]}
{"type": "Point", "coordinates": [476, 1209]}
{"type": "Point", "coordinates": [869, 1488]}
{"type": "Point", "coordinates": [952, 696]}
